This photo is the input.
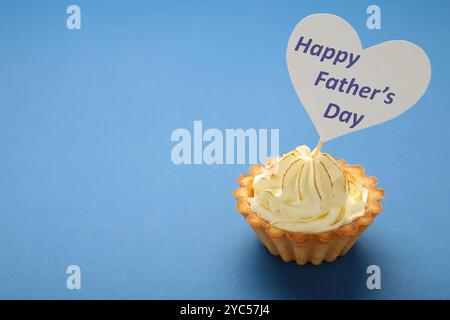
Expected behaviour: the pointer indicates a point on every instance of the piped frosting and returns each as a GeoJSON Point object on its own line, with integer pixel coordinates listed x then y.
{"type": "Point", "coordinates": [309, 192]}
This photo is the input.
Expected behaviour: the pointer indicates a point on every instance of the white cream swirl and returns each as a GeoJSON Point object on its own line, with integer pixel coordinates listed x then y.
{"type": "Point", "coordinates": [307, 192]}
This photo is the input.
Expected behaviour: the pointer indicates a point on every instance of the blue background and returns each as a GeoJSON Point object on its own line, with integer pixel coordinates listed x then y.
{"type": "Point", "coordinates": [86, 176]}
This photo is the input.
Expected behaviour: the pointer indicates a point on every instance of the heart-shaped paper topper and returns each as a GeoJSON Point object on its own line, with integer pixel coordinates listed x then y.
{"type": "Point", "coordinates": [346, 88]}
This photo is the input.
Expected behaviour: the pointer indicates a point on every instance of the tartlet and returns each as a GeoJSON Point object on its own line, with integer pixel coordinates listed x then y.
{"type": "Point", "coordinates": [311, 245]}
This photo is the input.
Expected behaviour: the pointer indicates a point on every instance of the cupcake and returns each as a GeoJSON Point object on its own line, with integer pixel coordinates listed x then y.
{"type": "Point", "coordinates": [306, 206]}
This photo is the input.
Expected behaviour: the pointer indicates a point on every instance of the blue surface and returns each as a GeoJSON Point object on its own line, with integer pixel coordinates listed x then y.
{"type": "Point", "coordinates": [86, 176]}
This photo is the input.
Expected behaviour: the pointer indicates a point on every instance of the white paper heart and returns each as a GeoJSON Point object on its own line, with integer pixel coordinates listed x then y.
{"type": "Point", "coordinates": [400, 66]}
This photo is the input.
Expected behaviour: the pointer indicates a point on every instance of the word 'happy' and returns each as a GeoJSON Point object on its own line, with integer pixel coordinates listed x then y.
{"type": "Point", "coordinates": [328, 53]}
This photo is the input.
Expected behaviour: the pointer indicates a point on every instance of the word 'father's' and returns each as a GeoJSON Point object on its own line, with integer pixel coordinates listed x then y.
{"type": "Point", "coordinates": [327, 53]}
